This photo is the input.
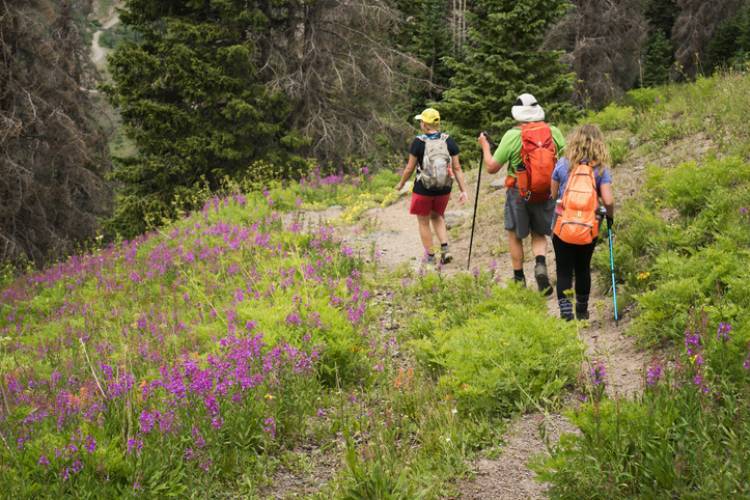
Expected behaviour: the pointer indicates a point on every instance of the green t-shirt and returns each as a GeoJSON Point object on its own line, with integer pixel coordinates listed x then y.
{"type": "Point", "coordinates": [509, 150]}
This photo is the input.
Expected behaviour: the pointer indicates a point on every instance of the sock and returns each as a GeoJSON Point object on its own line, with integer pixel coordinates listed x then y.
{"type": "Point", "coordinates": [541, 259]}
{"type": "Point", "coordinates": [518, 274]}
{"type": "Point", "coordinates": [566, 308]}
{"type": "Point", "coordinates": [443, 247]}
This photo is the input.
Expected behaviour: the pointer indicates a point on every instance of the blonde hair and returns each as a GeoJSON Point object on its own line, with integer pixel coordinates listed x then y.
{"type": "Point", "coordinates": [587, 143]}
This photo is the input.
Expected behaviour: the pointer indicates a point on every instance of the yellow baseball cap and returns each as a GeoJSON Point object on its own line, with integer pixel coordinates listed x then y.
{"type": "Point", "coordinates": [429, 116]}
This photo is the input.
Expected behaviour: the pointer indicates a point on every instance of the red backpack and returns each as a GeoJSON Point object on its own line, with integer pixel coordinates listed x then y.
{"type": "Point", "coordinates": [578, 223]}
{"type": "Point", "coordinates": [539, 155]}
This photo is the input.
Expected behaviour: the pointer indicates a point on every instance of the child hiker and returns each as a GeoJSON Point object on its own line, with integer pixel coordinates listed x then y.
{"type": "Point", "coordinates": [580, 179]}
{"type": "Point", "coordinates": [530, 150]}
{"type": "Point", "coordinates": [435, 157]}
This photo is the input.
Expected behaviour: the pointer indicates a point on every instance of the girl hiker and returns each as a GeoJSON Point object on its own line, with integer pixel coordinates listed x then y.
{"type": "Point", "coordinates": [580, 179]}
{"type": "Point", "coordinates": [435, 157]}
{"type": "Point", "coordinates": [530, 150]}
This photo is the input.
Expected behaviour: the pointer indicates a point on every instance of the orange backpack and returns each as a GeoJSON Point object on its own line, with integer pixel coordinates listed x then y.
{"type": "Point", "coordinates": [578, 224]}
{"type": "Point", "coordinates": [539, 155]}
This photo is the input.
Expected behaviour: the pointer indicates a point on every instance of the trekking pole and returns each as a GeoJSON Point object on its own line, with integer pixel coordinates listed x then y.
{"type": "Point", "coordinates": [612, 268]}
{"type": "Point", "coordinates": [476, 199]}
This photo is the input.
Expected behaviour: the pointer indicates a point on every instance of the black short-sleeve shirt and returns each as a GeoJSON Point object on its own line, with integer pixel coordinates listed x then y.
{"type": "Point", "coordinates": [417, 149]}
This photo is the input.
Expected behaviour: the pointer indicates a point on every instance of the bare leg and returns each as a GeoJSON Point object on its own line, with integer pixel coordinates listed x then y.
{"type": "Point", "coordinates": [516, 250]}
{"type": "Point", "coordinates": [438, 223]}
{"type": "Point", "coordinates": [539, 244]}
{"type": "Point", "coordinates": [425, 233]}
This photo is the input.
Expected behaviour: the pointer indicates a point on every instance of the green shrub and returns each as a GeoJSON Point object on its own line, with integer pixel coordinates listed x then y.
{"type": "Point", "coordinates": [618, 149]}
{"type": "Point", "coordinates": [645, 98]}
{"type": "Point", "coordinates": [613, 117]}
{"type": "Point", "coordinates": [687, 436]}
{"type": "Point", "coordinates": [497, 351]}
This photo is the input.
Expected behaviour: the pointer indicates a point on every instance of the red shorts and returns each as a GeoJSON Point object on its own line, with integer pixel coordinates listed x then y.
{"type": "Point", "coordinates": [425, 205]}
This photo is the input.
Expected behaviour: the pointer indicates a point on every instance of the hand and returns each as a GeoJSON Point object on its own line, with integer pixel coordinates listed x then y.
{"type": "Point", "coordinates": [610, 221]}
{"type": "Point", "coordinates": [483, 141]}
{"type": "Point", "coordinates": [400, 186]}
{"type": "Point", "coordinates": [463, 197]}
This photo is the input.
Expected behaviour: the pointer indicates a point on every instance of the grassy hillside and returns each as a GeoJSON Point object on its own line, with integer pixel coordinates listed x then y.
{"type": "Point", "coordinates": [244, 351]}
{"type": "Point", "coordinates": [211, 356]}
{"type": "Point", "coordinates": [683, 245]}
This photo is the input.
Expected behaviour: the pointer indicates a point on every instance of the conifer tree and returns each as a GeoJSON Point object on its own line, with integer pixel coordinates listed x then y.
{"type": "Point", "coordinates": [657, 60]}
{"type": "Point", "coordinates": [192, 101]}
{"type": "Point", "coordinates": [504, 58]}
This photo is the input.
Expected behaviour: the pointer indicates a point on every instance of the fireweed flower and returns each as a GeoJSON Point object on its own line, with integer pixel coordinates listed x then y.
{"type": "Point", "coordinates": [722, 333]}
{"type": "Point", "coordinates": [692, 343]}
{"type": "Point", "coordinates": [90, 444]}
{"type": "Point", "coordinates": [269, 426]}
{"type": "Point", "coordinates": [598, 373]}
{"type": "Point", "coordinates": [135, 446]}
{"type": "Point", "coordinates": [653, 375]}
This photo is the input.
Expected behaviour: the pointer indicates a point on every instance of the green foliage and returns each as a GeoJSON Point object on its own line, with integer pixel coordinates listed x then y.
{"type": "Point", "coordinates": [613, 117]}
{"type": "Point", "coordinates": [657, 60]}
{"type": "Point", "coordinates": [708, 107]}
{"type": "Point", "coordinates": [426, 34]}
{"type": "Point", "coordinates": [729, 46]}
{"type": "Point", "coordinates": [118, 35]}
{"type": "Point", "coordinates": [618, 150]}
{"type": "Point", "coordinates": [684, 245]}
{"type": "Point", "coordinates": [495, 349]}
{"type": "Point", "coordinates": [644, 98]}
{"type": "Point", "coordinates": [503, 59]}
{"type": "Point", "coordinates": [686, 437]}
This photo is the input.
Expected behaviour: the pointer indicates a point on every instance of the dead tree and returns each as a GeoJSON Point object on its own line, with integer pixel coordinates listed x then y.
{"type": "Point", "coordinates": [53, 154]}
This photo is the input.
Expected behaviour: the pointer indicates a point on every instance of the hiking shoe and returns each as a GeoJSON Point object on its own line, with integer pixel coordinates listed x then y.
{"type": "Point", "coordinates": [582, 307]}
{"type": "Point", "coordinates": [542, 280]}
{"type": "Point", "coordinates": [521, 281]}
{"type": "Point", "coordinates": [446, 258]}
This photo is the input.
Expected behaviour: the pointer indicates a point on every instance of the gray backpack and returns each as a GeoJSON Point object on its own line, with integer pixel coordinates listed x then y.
{"type": "Point", "coordinates": [436, 165]}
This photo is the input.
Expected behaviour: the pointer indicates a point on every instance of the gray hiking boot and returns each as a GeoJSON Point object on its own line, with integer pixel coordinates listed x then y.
{"type": "Point", "coordinates": [446, 258]}
{"type": "Point", "coordinates": [542, 280]}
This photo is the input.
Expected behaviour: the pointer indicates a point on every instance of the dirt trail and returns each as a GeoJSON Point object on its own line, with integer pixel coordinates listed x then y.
{"type": "Point", "coordinates": [393, 233]}
{"type": "Point", "coordinates": [99, 53]}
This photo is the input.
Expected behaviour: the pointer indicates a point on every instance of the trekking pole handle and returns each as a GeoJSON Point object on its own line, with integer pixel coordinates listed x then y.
{"type": "Point", "coordinates": [489, 139]}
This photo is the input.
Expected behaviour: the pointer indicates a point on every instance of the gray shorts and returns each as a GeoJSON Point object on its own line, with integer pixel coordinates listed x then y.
{"type": "Point", "coordinates": [523, 217]}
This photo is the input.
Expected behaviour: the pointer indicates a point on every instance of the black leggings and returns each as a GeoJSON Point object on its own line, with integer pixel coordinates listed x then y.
{"type": "Point", "coordinates": [573, 259]}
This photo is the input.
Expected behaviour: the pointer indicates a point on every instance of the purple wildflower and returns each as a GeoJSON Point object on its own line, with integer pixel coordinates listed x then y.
{"type": "Point", "coordinates": [598, 373]}
{"type": "Point", "coordinates": [90, 444]}
{"type": "Point", "coordinates": [722, 333]}
{"type": "Point", "coordinates": [269, 426]}
{"type": "Point", "coordinates": [653, 375]}
{"type": "Point", "coordinates": [147, 420]}
{"type": "Point", "coordinates": [43, 461]}
{"type": "Point", "coordinates": [692, 342]}
{"type": "Point", "coordinates": [294, 319]}
{"type": "Point", "coordinates": [698, 379]}
{"type": "Point", "coordinates": [135, 446]}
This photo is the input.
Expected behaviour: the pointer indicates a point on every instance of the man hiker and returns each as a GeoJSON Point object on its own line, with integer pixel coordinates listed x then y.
{"type": "Point", "coordinates": [530, 150]}
{"type": "Point", "coordinates": [435, 157]}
